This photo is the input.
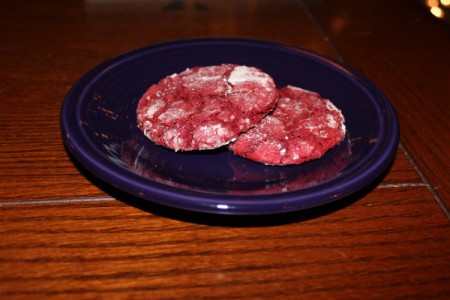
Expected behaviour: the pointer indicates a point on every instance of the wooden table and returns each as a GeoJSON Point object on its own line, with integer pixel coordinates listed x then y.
{"type": "Point", "coordinates": [65, 234]}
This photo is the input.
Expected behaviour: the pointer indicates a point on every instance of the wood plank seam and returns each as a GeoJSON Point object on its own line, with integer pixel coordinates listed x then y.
{"type": "Point", "coordinates": [399, 185]}
{"type": "Point", "coordinates": [58, 201]}
{"type": "Point", "coordinates": [431, 188]}
{"type": "Point", "coordinates": [424, 178]}
{"type": "Point", "coordinates": [322, 31]}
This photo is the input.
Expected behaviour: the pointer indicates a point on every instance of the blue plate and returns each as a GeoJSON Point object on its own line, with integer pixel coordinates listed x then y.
{"type": "Point", "coordinates": [98, 124]}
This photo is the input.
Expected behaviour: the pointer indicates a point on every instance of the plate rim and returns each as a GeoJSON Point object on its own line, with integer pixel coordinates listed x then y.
{"type": "Point", "coordinates": [217, 203]}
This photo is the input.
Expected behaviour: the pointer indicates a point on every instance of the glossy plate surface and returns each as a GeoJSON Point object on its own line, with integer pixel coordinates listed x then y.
{"type": "Point", "coordinates": [98, 123]}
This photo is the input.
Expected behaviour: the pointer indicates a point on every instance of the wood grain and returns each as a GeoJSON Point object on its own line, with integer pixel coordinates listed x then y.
{"type": "Point", "coordinates": [56, 178]}
{"type": "Point", "coordinates": [65, 234]}
{"type": "Point", "coordinates": [409, 60]}
{"type": "Point", "coordinates": [35, 164]}
{"type": "Point", "coordinates": [392, 242]}
{"type": "Point", "coordinates": [76, 36]}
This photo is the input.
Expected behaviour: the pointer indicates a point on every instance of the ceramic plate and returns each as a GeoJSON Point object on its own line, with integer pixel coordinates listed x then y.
{"type": "Point", "coordinates": [98, 122]}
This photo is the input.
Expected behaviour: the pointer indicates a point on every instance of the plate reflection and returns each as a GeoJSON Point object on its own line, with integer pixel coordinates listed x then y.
{"type": "Point", "coordinates": [220, 171]}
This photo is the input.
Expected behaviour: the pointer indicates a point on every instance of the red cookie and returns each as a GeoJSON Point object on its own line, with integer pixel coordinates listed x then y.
{"type": "Point", "coordinates": [302, 127]}
{"type": "Point", "coordinates": [205, 107]}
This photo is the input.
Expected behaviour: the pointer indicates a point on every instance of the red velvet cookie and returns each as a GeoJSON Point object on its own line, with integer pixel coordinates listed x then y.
{"type": "Point", "coordinates": [205, 107]}
{"type": "Point", "coordinates": [302, 127]}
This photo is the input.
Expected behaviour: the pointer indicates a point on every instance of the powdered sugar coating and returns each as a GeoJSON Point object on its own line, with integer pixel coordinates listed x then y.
{"type": "Point", "coordinates": [302, 127]}
{"type": "Point", "coordinates": [205, 107]}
